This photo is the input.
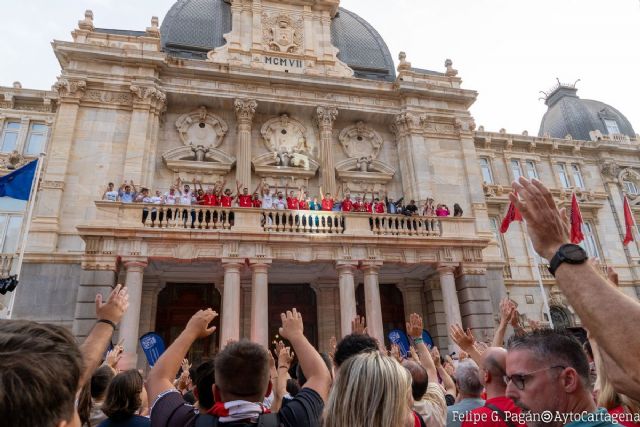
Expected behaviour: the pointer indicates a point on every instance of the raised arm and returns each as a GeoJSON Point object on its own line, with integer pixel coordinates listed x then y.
{"type": "Point", "coordinates": [608, 314]}
{"type": "Point", "coordinates": [321, 193]}
{"type": "Point", "coordinates": [285, 358]}
{"type": "Point", "coordinates": [466, 342]}
{"type": "Point", "coordinates": [318, 377]}
{"type": "Point", "coordinates": [108, 315]}
{"type": "Point", "coordinates": [447, 381]}
{"type": "Point", "coordinates": [507, 311]}
{"type": "Point", "coordinates": [414, 330]}
{"type": "Point", "coordinates": [258, 188]}
{"type": "Point", "coordinates": [161, 376]}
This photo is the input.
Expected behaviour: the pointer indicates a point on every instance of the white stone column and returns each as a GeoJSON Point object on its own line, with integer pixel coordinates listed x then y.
{"type": "Point", "coordinates": [230, 323]}
{"type": "Point", "coordinates": [130, 324]}
{"type": "Point", "coordinates": [412, 297]}
{"type": "Point", "coordinates": [260, 302]}
{"type": "Point", "coordinates": [372, 301]}
{"type": "Point", "coordinates": [326, 115]}
{"type": "Point", "coordinates": [450, 301]}
{"type": "Point", "coordinates": [245, 109]}
{"type": "Point", "coordinates": [347, 296]}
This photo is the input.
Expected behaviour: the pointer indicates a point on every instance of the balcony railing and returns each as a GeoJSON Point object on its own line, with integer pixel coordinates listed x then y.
{"type": "Point", "coordinates": [6, 262]}
{"type": "Point", "coordinates": [211, 218]}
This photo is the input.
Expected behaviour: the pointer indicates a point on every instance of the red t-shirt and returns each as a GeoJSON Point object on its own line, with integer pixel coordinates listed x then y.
{"type": "Point", "coordinates": [357, 207]}
{"type": "Point", "coordinates": [302, 205]}
{"type": "Point", "coordinates": [293, 203]}
{"type": "Point", "coordinates": [327, 204]}
{"type": "Point", "coordinates": [200, 199]}
{"type": "Point", "coordinates": [347, 205]}
{"type": "Point", "coordinates": [211, 200]}
{"type": "Point", "coordinates": [379, 207]}
{"type": "Point", "coordinates": [486, 417]}
{"type": "Point", "coordinates": [244, 201]}
{"type": "Point", "coordinates": [226, 201]}
{"type": "Point", "coordinates": [257, 203]}
{"type": "Point", "coordinates": [368, 207]}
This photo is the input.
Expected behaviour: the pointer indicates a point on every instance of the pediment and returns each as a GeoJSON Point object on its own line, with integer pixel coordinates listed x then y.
{"type": "Point", "coordinates": [183, 159]}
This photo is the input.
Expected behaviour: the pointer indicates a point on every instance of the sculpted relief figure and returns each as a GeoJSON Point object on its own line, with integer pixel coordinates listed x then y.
{"type": "Point", "coordinates": [362, 143]}
{"type": "Point", "coordinates": [201, 128]}
{"type": "Point", "coordinates": [282, 33]}
{"type": "Point", "coordinates": [285, 138]}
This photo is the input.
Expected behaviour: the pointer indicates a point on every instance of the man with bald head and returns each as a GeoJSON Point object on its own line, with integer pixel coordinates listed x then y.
{"type": "Point", "coordinates": [498, 409]}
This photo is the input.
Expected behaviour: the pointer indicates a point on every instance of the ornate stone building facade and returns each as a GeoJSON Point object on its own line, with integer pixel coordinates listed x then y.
{"type": "Point", "coordinates": [293, 94]}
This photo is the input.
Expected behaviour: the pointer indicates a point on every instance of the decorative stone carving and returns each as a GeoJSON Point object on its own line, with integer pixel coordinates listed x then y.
{"type": "Point", "coordinates": [451, 72]}
{"type": "Point", "coordinates": [148, 93]}
{"type": "Point", "coordinates": [609, 169]}
{"type": "Point", "coordinates": [245, 109]}
{"type": "Point", "coordinates": [285, 135]}
{"type": "Point", "coordinates": [200, 128]}
{"type": "Point", "coordinates": [282, 33]}
{"type": "Point", "coordinates": [405, 123]}
{"type": "Point", "coordinates": [154, 30]}
{"type": "Point", "coordinates": [403, 64]}
{"type": "Point", "coordinates": [325, 116]}
{"type": "Point", "coordinates": [66, 87]}
{"type": "Point", "coordinates": [107, 97]}
{"type": "Point", "coordinates": [361, 142]}
{"type": "Point", "coordinates": [556, 297]}
{"type": "Point", "coordinates": [87, 22]}
{"type": "Point", "coordinates": [14, 160]}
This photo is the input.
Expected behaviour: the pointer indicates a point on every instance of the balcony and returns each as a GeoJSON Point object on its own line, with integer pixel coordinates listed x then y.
{"type": "Point", "coordinates": [210, 219]}
{"type": "Point", "coordinates": [6, 263]}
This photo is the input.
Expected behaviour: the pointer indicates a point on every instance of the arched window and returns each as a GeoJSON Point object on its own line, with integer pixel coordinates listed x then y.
{"type": "Point", "coordinates": [560, 317]}
{"type": "Point", "coordinates": [630, 186]}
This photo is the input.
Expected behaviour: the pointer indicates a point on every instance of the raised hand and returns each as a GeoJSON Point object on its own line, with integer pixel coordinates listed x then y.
{"type": "Point", "coordinates": [292, 326]}
{"type": "Point", "coordinates": [358, 326]}
{"type": "Point", "coordinates": [435, 355]}
{"type": "Point", "coordinates": [279, 347]}
{"type": "Point", "coordinates": [463, 355]}
{"type": "Point", "coordinates": [414, 326]}
{"type": "Point", "coordinates": [395, 352]}
{"type": "Point", "coordinates": [333, 344]}
{"type": "Point", "coordinates": [185, 365]}
{"type": "Point", "coordinates": [198, 325]}
{"type": "Point", "coordinates": [115, 307]}
{"type": "Point", "coordinates": [506, 309]}
{"type": "Point", "coordinates": [114, 356]}
{"type": "Point", "coordinates": [464, 340]}
{"type": "Point", "coordinates": [414, 354]}
{"type": "Point", "coordinates": [285, 358]}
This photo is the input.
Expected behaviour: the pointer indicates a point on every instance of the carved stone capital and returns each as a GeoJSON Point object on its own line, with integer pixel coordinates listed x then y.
{"type": "Point", "coordinates": [70, 88]}
{"type": "Point", "coordinates": [245, 110]}
{"type": "Point", "coordinates": [404, 124]}
{"type": "Point", "coordinates": [148, 95]}
{"type": "Point", "coordinates": [325, 116]}
{"type": "Point", "coordinates": [56, 185]}
{"type": "Point", "coordinates": [610, 170]}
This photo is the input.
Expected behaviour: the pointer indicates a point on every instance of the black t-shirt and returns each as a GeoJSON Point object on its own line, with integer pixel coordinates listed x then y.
{"type": "Point", "coordinates": [134, 421]}
{"type": "Point", "coordinates": [411, 209]}
{"type": "Point", "coordinates": [304, 410]}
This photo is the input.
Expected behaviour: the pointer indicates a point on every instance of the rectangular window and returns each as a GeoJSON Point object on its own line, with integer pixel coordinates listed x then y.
{"type": "Point", "coordinates": [612, 127]}
{"type": "Point", "coordinates": [516, 169]}
{"type": "Point", "coordinates": [577, 176]}
{"type": "Point", "coordinates": [531, 169]}
{"type": "Point", "coordinates": [589, 243]}
{"type": "Point", "coordinates": [562, 174]}
{"type": "Point", "coordinates": [486, 170]}
{"type": "Point", "coordinates": [630, 187]}
{"type": "Point", "coordinates": [36, 139]}
{"type": "Point", "coordinates": [10, 136]}
{"type": "Point", "coordinates": [10, 226]}
{"type": "Point", "coordinates": [494, 222]}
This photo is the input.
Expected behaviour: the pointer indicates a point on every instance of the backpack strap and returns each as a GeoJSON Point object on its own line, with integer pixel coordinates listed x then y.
{"type": "Point", "coordinates": [206, 420]}
{"type": "Point", "coordinates": [269, 420]}
{"type": "Point", "coordinates": [501, 413]}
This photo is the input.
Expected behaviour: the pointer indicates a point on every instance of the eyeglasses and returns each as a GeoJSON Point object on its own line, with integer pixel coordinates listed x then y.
{"type": "Point", "coordinates": [519, 379]}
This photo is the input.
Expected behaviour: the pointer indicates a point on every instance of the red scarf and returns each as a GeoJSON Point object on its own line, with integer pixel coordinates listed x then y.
{"type": "Point", "coordinates": [238, 410]}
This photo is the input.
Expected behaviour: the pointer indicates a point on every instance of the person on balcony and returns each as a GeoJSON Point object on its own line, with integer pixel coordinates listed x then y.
{"type": "Point", "coordinates": [411, 209]}
{"type": "Point", "coordinates": [293, 201]}
{"type": "Point", "coordinates": [110, 193]}
{"type": "Point", "coordinates": [328, 201]}
{"type": "Point", "coordinates": [126, 194]}
{"type": "Point", "coordinates": [347, 204]}
{"type": "Point", "coordinates": [457, 210]}
{"type": "Point", "coordinates": [392, 207]}
{"type": "Point", "coordinates": [244, 199]}
{"type": "Point", "coordinates": [428, 209]}
{"type": "Point", "coordinates": [442, 210]}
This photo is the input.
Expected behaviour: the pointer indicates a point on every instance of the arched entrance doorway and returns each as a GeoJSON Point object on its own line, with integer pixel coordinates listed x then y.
{"type": "Point", "coordinates": [392, 305]}
{"type": "Point", "coordinates": [560, 317]}
{"type": "Point", "coordinates": [177, 302]}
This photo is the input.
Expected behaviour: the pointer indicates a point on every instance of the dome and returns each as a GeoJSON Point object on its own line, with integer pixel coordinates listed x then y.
{"type": "Point", "coordinates": [567, 114]}
{"type": "Point", "coordinates": [191, 28]}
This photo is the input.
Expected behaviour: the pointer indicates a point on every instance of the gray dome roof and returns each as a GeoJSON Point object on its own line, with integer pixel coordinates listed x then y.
{"type": "Point", "coordinates": [568, 114]}
{"type": "Point", "coordinates": [191, 28]}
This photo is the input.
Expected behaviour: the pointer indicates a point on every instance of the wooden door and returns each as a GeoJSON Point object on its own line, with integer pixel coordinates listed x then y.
{"type": "Point", "coordinates": [286, 297]}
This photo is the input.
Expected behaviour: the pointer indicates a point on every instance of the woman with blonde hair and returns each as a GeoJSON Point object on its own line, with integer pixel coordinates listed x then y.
{"type": "Point", "coordinates": [372, 390]}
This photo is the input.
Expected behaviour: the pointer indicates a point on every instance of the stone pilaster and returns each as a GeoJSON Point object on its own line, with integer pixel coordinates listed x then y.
{"type": "Point", "coordinates": [416, 179]}
{"type": "Point", "coordinates": [373, 308]}
{"type": "Point", "coordinates": [230, 322]}
{"type": "Point", "coordinates": [92, 282]}
{"type": "Point", "coordinates": [412, 297]}
{"type": "Point", "coordinates": [260, 302]}
{"type": "Point", "coordinates": [245, 110]}
{"type": "Point", "coordinates": [347, 291]}
{"type": "Point", "coordinates": [245, 303]}
{"type": "Point", "coordinates": [130, 324]}
{"type": "Point", "coordinates": [436, 317]}
{"type": "Point", "coordinates": [44, 231]}
{"type": "Point", "coordinates": [450, 301]}
{"type": "Point", "coordinates": [475, 300]}
{"type": "Point", "coordinates": [150, 290]}
{"type": "Point", "coordinates": [327, 295]}
{"type": "Point", "coordinates": [325, 116]}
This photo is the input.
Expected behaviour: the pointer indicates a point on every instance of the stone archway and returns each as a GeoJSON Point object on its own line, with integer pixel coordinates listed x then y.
{"type": "Point", "coordinates": [561, 317]}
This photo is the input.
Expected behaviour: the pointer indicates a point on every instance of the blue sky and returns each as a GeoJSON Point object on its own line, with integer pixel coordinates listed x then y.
{"type": "Point", "coordinates": [507, 50]}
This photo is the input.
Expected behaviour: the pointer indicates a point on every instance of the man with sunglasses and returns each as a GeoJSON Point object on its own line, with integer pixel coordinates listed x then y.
{"type": "Point", "coordinates": [547, 376]}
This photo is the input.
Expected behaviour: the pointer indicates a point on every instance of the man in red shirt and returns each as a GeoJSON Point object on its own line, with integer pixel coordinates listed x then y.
{"type": "Point", "coordinates": [327, 202]}
{"type": "Point", "coordinates": [347, 204]}
{"type": "Point", "coordinates": [378, 206]}
{"type": "Point", "coordinates": [293, 203]}
{"type": "Point", "coordinates": [256, 202]}
{"type": "Point", "coordinates": [357, 205]}
{"type": "Point", "coordinates": [498, 409]}
{"type": "Point", "coordinates": [367, 206]}
{"type": "Point", "coordinates": [244, 199]}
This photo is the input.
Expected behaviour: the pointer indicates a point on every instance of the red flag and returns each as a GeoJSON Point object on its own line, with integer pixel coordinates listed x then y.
{"type": "Point", "coordinates": [576, 221]}
{"type": "Point", "coordinates": [513, 214]}
{"type": "Point", "coordinates": [629, 222]}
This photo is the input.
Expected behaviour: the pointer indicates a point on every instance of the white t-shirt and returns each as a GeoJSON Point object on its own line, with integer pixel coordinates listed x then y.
{"type": "Point", "coordinates": [185, 198]}
{"type": "Point", "coordinates": [111, 196]}
{"type": "Point", "coordinates": [280, 204]}
{"type": "Point", "coordinates": [267, 201]}
{"type": "Point", "coordinates": [170, 199]}
{"type": "Point", "coordinates": [155, 200]}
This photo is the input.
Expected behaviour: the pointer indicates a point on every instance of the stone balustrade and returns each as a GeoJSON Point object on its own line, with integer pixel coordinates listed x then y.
{"type": "Point", "coordinates": [214, 218]}
{"type": "Point", "coordinates": [6, 262]}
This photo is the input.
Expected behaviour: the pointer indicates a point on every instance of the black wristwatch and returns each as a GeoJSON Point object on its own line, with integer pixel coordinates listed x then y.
{"type": "Point", "coordinates": [569, 253]}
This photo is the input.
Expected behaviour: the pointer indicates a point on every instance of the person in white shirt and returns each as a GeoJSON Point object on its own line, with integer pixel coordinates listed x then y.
{"type": "Point", "coordinates": [171, 198]}
{"type": "Point", "coordinates": [110, 193]}
{"type": "Point", "coordinates": [267, 203]}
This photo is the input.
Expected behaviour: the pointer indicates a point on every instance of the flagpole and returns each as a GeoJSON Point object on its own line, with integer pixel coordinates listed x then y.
{"type": "Point", "coordinates": [25, 232]}
{"type": "Point", "coordinates": [538, 275]}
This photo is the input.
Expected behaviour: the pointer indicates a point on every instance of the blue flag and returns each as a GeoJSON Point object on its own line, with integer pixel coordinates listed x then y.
{"type": "Point", "coordinates": [153, 347]}
{"type": "Point", "coordinates": [17, 184]}
{"type": "Point", "coordinates": [398, 337]}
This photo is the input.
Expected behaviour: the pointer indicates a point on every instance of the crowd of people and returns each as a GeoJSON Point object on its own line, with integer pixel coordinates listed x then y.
{"type": "Point", "coordinates": [539, 377]}
{"type": "Point", "coordinates": [265, 197]}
